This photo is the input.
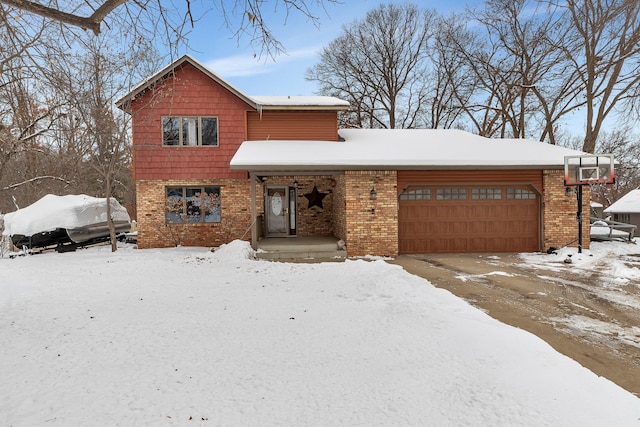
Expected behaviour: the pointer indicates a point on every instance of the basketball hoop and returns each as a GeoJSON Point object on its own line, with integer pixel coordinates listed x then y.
{"type": "Point", "coordinates": [588, 169]}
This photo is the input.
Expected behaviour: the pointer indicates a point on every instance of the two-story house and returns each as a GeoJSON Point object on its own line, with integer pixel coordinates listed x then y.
{"type": "Point", "coordinates": [212, 164]}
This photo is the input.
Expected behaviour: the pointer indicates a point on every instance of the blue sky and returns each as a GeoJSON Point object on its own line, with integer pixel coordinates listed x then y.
{"type": "Point", "coordinates": [214, 45]}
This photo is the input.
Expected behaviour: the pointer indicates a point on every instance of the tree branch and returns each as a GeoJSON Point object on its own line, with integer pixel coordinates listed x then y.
{"type": "Point", "coordinates": [88, 23]}
{"type": "Point", "coordinates": [37, 178]}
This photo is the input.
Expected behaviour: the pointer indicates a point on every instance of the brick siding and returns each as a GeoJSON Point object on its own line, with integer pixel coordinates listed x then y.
{"type": "Point", "coordinates": [559, 213]}
{"type": "Point", "coordinates": [155, 232]}
{"type": "Point", "coordinates": [371, 225]}
{"type": "Point", "coordinates": [340, 208]}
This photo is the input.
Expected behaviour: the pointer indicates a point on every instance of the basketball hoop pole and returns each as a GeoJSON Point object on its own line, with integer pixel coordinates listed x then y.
{"type": "Point", "coordinates": [579, 218]}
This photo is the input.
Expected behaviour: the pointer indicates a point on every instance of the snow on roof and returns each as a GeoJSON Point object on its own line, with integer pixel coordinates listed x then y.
{"type": "Point", "coordinates": [300, 101]}
{"type": "Point", "coordinates": [629, 203]}
{"type": "Point", "coordinates": [400, 149]}
{"type": "Point", "coordinates": [51, 212]}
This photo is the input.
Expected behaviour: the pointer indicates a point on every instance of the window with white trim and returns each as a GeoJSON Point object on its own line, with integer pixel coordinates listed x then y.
{"type": "Point", "coordinates": [193, 204]}
{"type": "Point", "coordinates": [190, 131]}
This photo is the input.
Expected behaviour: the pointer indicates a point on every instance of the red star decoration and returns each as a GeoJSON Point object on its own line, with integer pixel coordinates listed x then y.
{"type": "Point", "coordinates": [315, 198]}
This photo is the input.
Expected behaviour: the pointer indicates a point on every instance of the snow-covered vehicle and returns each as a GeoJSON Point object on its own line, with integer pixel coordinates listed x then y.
{"type": "Point", "coordinates": [65, 222]}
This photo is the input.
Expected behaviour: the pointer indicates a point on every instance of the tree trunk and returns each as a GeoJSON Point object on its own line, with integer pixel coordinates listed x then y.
{"type": "Point", "coordinates": [112, 227]}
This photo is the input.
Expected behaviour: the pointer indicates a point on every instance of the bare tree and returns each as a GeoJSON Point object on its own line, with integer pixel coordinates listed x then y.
{"type": "Point", "coordinates": [26, 117]}
{"type": "Point", "coordinates": [486, 106]}
{"type": "Point", "coordinates": [603, 48]}
{"type": "Point", "coordinates": [509, 58]}
{"type": "Point", "coordinates": [242, 17]}
{"type": "Point", "coordinates": [95, 133]}
{"type": "Point", "coordinates": [535, 62]}
{"type": "Point", "coordinates": [526, 32]}
{"type": "Point", "coordinates": [379, 65]}
{"type": "Point", "coordinates": [452, 83]}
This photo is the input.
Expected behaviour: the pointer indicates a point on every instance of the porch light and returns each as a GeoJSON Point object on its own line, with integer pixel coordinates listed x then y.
{"type": "Point", "coordinates": [295, 184]}
{"type": "Point", "coordinates": [372, 194]}
{"type": "Point", "coordinates": [569, 191]}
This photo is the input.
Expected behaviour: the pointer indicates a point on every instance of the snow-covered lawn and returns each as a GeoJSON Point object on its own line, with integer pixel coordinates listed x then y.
{"type": "Point", "coordinates": [180, 337]}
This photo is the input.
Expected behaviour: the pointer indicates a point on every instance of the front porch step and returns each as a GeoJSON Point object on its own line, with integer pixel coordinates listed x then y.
{"type": "Point", "coordinates": [300, 248]}
{"type": "Point", "coordinates": [335, 255]}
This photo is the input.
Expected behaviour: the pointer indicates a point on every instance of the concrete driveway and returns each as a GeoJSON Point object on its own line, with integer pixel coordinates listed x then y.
{"type": "Point", "coordinates": [564, 306]}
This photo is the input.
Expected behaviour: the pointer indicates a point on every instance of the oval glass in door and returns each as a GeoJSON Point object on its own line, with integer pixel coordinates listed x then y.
{"type": "Point", "coordinates": [275, 212]}
{"type": "Point", "coordinates": [276, 204]}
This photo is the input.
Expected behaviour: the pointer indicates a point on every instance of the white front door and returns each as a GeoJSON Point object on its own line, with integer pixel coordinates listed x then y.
{"type": "Point", "coordinates": [277, 211]}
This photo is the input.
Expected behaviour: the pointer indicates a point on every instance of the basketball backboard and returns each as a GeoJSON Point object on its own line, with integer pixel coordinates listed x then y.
{"type": "Point", "coordinates": [589, 169]}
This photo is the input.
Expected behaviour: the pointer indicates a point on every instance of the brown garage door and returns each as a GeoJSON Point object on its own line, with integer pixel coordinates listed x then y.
{"type": "Point", "coordinates": [471, 212]}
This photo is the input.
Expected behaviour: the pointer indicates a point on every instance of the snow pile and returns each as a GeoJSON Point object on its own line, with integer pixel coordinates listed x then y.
{"type": "Point", "coordinates": [614, 260]}
{"type": "Point", "coordinates": [184, 336]}
{"type": "Point", "coordinates": [69, 212]}
{"type": "Point", "coordinates": [233, 252]}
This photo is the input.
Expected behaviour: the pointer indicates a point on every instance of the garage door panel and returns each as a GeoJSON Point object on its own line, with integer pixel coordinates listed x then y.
{"type": "Point", "coordinates": [479, 243]}
{"type": "Point", "coordinates": [495, 228]}
{"type": "Point", "coordinates": [460, 227]}
{"type": "Point", "coordinates": [478, 227]}
{"type": "Point", "coordinates": [469, 225]}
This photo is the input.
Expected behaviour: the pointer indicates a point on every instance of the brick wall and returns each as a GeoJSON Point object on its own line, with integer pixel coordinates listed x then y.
{"type": "Point", "coordinates": [559, 213]}
{"type": "Point", "coordinates": [339, 208]}
{"type": "Point", "coordinates": [315, 221]}
{"type": "Point", "coordinates": [154, 231]}
{"type": "Point", "coordinates": [311, 221]}
{"type": "Point", "coordinates": [367, 226]}
{"type": "Point", "coordinates": [371, 225]}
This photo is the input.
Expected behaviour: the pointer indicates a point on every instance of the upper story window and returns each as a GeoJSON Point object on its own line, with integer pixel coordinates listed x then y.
{"type": "Point", "coordinates": [190, 131]}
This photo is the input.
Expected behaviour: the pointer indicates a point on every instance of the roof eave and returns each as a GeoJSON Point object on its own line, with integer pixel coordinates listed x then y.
{"type": "Point", "coordinates": [270, 107]}
{"type": "Point", "coordinates": [343, 167]}
{"type": "Point", "coordinates": [124, 102]}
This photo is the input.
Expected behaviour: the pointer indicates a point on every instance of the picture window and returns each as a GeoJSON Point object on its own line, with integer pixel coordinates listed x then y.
{"type": "Point", "coordinates": [193, 204]}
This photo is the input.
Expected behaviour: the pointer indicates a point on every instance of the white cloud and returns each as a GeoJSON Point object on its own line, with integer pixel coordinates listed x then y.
{"type": "Point", "coordinates": [246, 64]}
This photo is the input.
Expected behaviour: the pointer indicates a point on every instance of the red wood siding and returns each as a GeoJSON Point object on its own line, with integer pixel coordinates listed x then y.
{"type": "Point", "coordinates": [292, 125]}
{"type": "Point", "coordinates": [189, 93]}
